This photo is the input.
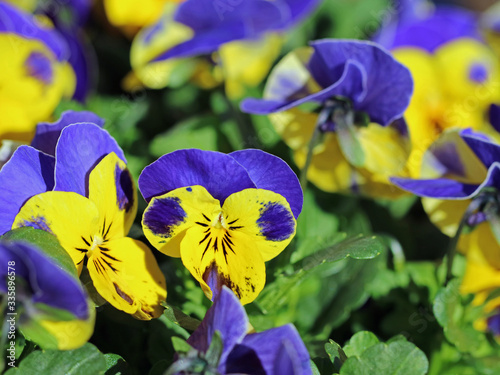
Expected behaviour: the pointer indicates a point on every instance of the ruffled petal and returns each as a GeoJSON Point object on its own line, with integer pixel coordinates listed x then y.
{"type": "Point", "coordinates": [168, 216]}
{"type": "Point", "coordinates": [79, 148]}
{"type": "Point", "coordinates": [219, 173]}
{"type": "Point", "coordinates": [272, 173]}
{"type": "Point", "coordinates": [47, 134]}
{"type": "Point", "coordinates": [227, 316]}
{"type": "Point", "coordinates": [112, 190]}
{"type": "Point", "coordinates": [27, 173]}
{"type": "Point", "coordinates": [125, 273]}
{"type": "Point", "coordinates": [72, 218]}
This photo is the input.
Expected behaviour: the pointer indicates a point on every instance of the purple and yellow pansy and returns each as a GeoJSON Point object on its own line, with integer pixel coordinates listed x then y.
{"type": "Point", "coordinates": [353, 93]}
{"type": "Point", "coordinates": [34, 74]}
{"type": "Point", "coordinates": [47, 297]}
{"type": "Point", "coordinates": [238, 41]}
{"type": "Point", "coordinates": [456, 74]}
{"type": "Point", "coordinates": [224, 215]}
{"type": "Point", "coordinates": [79, 189]}
{"type": "Point", "coordinates": [275, 351]}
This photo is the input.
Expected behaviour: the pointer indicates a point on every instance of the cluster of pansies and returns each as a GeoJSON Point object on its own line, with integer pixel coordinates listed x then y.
{"type": "Point", "coordinates": [413, 110]}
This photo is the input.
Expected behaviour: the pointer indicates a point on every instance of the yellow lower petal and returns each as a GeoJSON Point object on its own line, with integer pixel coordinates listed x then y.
{"type": "Point", "coordinates": [125, 273]}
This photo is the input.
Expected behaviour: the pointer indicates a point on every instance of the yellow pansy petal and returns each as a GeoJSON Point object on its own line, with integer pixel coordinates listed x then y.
{"type": "Point", "coordinates": [71, 334]}
{"type": "Point", "coordinates": [295, 127]}
{"type": "Point", "coordinates": [481, 245]}
{"type": "Point", "coordinates": [112, 189]}
{"type": "Point", "coordinates": [239, 267]}
{"type": "Point", "coordinates": [128, 13]}
{"type": "Point", "coordinates": [54, 212]}
{"type": "Point", "coordinates": [246, 63]}
{"type": "Point", "coordinates": [260, 217]}
{"type": "Point", "coordinates": [125, 273]}
{"type": "Point", "coordinates": [445, 215]}
{"type": "Point", "coordinates": [153, 41]}
{"type": "Point", "coordinates": [479, 277]}
{"type": "Point", "coordinates": [29, 94]}
{"type": "Point", "coordinates": [168, 216]}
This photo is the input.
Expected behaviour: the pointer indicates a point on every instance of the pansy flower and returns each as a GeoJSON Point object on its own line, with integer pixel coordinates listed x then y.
{"type": "Point", "coordinates": [239, 40]}
{"type": "Point", "coordinates": [353, 93]}
{"type": "Point", "coordinates": [456, 74]}
{"type": "Point", "coordinates": [34, 72]}
{"type": "Point", "coordinates": [224, 215]}
{"type": "Point", "coordinates": [41, 296]}
{"type": "Point", "coordinates": [272, 352]}
{"type": "Point", "coordinates": [80, 190]}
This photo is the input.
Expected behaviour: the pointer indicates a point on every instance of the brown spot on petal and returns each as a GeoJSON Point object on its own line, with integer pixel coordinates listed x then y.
{"type": "Point", "coordinates": [126, 297]}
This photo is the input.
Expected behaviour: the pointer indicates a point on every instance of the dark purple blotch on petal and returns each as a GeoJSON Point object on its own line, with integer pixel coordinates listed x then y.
{"type": "Point", "coordinates": [163, 215]}
{"type": "Point", "coordinates": [275, 222]}
{"type": "Point", "coordinates": [37, 222]}
{"type": "Point", "coordinates": [124, 188]}
{"type": "Point", "coordinates": [478, 73]}
{"type": "Point", "coordinates": [494, 324]}
{"type": "Point", "coordinates": [39, 66]}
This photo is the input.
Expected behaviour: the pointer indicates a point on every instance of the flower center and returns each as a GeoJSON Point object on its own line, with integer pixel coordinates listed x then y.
{"type": "Point", "coordinates": [98, 241]}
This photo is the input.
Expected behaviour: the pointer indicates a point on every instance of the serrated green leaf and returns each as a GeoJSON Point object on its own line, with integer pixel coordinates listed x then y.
{"type": "Point", "coordinates": [359, 342]}
{"type": "Point", "coordinates": [396, 358]}
{"type": "Point", "coordinates": [451, 312]}
{"type": "Point", "coordinates": [83, 361]}
{"type": "Point", "coordinates": [46, 242]}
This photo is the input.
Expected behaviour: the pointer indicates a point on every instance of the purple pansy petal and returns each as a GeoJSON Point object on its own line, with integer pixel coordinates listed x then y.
{"type": "Point", "coordinates": [266, 346]}
{"type": "Point", "coordinates": [164, 214]}
{"type": "Point", "coordinates": [272, 173]}
{"type": "Point", "coordinates": [13, 20]}
{"type": "Point", "coordinates": [219, 173]}
{"type": "Point", "coordinates": [47, 134]}
{"type": "Point", "coordinates": [77, 9]}
{"type": "Point", "coordinates": [436, 188]}
{"type": "Point", "coordinates": [227, 316]}
{"type": "Point", "coordinates": [351, 81]}
{"type": "Point", "coordinates": [388, 84]}
{"type": "Point", "coordinates": [275, 222]}
{"type": "Point", "coordinates": [444, 25]}
{"type": "Point", "coordinates": [494, 116]}
{"type": "Point", "coordinates": [287, 361]}
{"type": "Point", "coordinates": [27, 173]}
{"type": "Point", "coordinates": [48, 283]}
{"type": "Point", "coordinates": [488, 152]}
{"type": "Point", "coordinates": [79, 148]}
{"type": "Point", "coordinates": [39, 66]}
{"type": "Point", "coordinates": [494, 324]}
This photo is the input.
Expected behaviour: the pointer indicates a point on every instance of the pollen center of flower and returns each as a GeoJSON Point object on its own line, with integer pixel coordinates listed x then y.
{"type": "Point", "coordinates": [219, 222]}
{"type": "Point", "coordinates": [98, 240]}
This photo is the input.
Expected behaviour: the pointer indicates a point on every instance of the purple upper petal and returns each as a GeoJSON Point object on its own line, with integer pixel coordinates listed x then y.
{"type": "Point", "coordinates": [13, 20]}
{"type": "Point", "coordinates": [267, 347]}
{"type": "Point", "coordinates": [78, 10]}
{"type": "Point", "coordinates": [27, 173]}
{"type": "Point", "coordinates": [488, 152]}
{"type": "Point", "coordinates": [79, 148]}
{"type": "Point", "coordinates": [47, 282]}
{"type": "Point", "coordinates": [436, 188]}
{"type": "Point", "coordinates": [271, 173]}
{"type": "Point", "coordinates": [219, 22]}
{"type": "Point", "coordinates": [219, 173]}
{"type": "Point", "coordinates": [227, 316]}
{"type": "Point", "coordinates": [47, 134]}
{"type": "Point", "coordinates": [443, 25]}
{"type": "Point", "coordinates": [357, 70]}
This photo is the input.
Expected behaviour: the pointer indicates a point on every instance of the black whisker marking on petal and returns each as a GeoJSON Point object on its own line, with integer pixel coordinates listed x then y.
{"type": "Point", "coordinates": [216, 247]}
{"type": "Point", "coordinates": [208, 230]}
{"type": "Point", "coordinates": [204, 238]}
{"type": "Point", "coordinates": [107, 230]}
{"type": "Point", "coordinates": [109, 264]}
{"type": "Point", "coordinates": [226, 236]}
{"type": "Point", "coordinates": [206, 248]}
{"type": "Point", "coordinates": [110, 257]}
{"type": "Point", "coordinates": [206, 218]}
{"type": "Point", "coordinates": [224, 251]}
{"type": "Point", "coordinates": [81, 250]}
{"type": "Point", "coordinates": [228, 245]}
{"type": "Point", "coordinates": [202, 224]}
{"type": "Point", "coordinates": [233, 228]}
{"type": "Point", "coordinates": [97, 266]}
{"type": "Point", "coordinates": [103, 248]}
{"type": "Point", "coordinates": [234, 221]}
{"type": "Point", "coordinates": [86, 242]}
{"type": "Point", "coordinates": [80, 261]}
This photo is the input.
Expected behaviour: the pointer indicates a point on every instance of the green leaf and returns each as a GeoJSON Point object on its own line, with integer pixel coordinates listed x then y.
{"type": "Point", "coordinates": [336, 354]}
{"type": "Point", "coordinates": [116, 365]}
{"type": "Point", "coordinates": [83, 361]}
{"type": "Point", "coordinates": [46, 242]}
{"type": "Point", "coordinates": [359, 342]}
{"type": "Point", "coordinates": [180, 345]}
{"type": "Point", "coordinates": [215, 349]}
{"type": "Point", "coordinates": [396, 358]}
{"type": "Point", "coordinates": [456, 316]}
{"type": "Point", "coordinates": [178, 317]}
